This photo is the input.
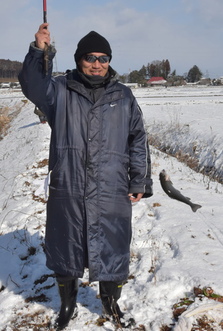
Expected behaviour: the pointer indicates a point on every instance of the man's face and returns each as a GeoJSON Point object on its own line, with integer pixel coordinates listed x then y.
{"type": "Point", "coordinates": [95, 68]}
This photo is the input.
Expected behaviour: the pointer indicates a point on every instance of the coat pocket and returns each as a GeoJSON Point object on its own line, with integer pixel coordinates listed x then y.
{"type": "Point", "coordinates": [68, 176]}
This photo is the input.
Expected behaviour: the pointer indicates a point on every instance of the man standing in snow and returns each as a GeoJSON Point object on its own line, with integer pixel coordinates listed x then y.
{"type": "Point", "coordinates": [99, 163]}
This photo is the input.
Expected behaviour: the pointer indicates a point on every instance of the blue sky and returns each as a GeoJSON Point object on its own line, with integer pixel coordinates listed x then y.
{"type": "Point", "coordinates": [186, 32]}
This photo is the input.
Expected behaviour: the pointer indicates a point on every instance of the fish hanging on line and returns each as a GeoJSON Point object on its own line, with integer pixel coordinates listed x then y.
{"type": "Point", "coordinates": [173, 193]}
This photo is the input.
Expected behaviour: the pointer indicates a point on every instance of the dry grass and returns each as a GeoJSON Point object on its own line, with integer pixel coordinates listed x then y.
{"type": "Point", "coordinates": [4, 121]}
{"type": "Point", "coordinates": [42, 163]}
{"type": "Point", "coordinates": [7, 114]}
{"type": "Point", "coordinates": [35, 322]}
{"type": "Point", "coordinates": [192, 161]}
{"type": "Point", "coordinates": [202, 323]}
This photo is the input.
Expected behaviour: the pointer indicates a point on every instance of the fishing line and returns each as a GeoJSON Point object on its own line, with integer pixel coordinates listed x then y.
{"type": "Point", "coordinates": [210, 226]}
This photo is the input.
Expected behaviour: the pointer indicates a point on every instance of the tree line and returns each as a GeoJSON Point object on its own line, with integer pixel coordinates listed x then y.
{"type": "Point", "coordinates": [161, 69]}
{"type": "Point", "coordinates": [9, 69]}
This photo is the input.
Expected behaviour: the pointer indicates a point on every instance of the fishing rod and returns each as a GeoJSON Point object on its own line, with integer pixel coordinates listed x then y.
{"type": "Point", "coordinates": [44, 12]}
{"type": "Point", "coordinates": [46, 48]}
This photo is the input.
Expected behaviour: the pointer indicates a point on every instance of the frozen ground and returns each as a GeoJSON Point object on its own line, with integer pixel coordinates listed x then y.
{"type": "Point", "coordinates": [173, 249]}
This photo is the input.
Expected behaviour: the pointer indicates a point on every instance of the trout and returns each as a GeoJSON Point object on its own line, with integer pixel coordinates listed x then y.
{"type": "Point", "coordinates": [173, 193]}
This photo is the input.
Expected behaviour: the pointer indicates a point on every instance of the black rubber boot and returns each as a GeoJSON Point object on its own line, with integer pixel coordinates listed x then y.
{"type": "Point", "coordinates": [110, 292]}
{"type": "Point", "coordinates": [68, 294]}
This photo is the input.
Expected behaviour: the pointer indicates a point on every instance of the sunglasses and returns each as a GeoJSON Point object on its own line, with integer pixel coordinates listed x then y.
{"type": "Point", "coordinates": [93, 58]}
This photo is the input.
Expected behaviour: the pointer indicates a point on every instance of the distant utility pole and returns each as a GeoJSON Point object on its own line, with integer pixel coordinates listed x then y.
{"type": "Point", "coordinates": [55, 59]}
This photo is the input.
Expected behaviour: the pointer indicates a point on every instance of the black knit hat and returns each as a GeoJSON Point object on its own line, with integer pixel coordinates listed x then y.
{"type": "Point", "coordinates": [92, 42]}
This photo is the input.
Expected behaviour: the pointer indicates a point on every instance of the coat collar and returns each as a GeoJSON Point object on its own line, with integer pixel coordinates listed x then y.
{"type": "Point", "coordinates": [77, 83]}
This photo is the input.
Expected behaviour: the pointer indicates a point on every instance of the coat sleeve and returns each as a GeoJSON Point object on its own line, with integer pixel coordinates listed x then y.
{"type": "Point", "coordinates": [36, 85]}
{"type": "Point", "coordinates": [140, 161]}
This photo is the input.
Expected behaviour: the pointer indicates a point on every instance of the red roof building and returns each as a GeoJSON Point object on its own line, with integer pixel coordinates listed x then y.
{"type": "Point", "coordinates": [156, 81]}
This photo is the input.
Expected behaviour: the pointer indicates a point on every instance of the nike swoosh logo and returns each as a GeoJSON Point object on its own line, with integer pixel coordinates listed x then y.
{"type": "Point", "coordinates": [113, 104]}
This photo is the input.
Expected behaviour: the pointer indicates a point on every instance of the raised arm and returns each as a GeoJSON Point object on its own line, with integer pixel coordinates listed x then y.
{"type": "Point", "coordinates": [36, 85]}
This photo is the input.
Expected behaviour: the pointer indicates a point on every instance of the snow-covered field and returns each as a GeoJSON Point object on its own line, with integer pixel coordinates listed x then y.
{"type": "Point", "coordinates": [173, 249]}
{"type": "Point", "coordinates": [188, 119]}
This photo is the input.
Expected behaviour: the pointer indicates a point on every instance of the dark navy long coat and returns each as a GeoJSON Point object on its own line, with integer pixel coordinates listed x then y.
{"type": "Point", "coordinates": [98, 154]}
